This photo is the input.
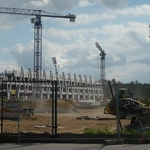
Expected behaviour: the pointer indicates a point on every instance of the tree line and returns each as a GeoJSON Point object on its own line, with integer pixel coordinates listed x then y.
{"type": "Point", "coordinates": [140, 90]}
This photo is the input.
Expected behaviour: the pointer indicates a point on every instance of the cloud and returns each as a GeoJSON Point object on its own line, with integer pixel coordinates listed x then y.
{"type": "Point", "coordinates": [67, 35]}
{"type": "Point", "coordinates": [134, 11]}
{"type": "Point", "coordinates": [84, 19]}
{"type": "Point", "coordinates": [66, 4]}
{"type": "Point", "coordinates": [113, 4]}
{"type": "Point", "coordinates": [125, 37]}
{"type": "Point", "coordinates": [85, 3]}
{"type": "Point", "coordinates": [130, 72]}
{"type": "Point", "coordinates": [129, 13]}
{"type": "Point", "coordinates": [8, 65]}
{"type": "Point", "coordinates": [39, 3]}
{"type": "Point", "coordinates": [23, 54]}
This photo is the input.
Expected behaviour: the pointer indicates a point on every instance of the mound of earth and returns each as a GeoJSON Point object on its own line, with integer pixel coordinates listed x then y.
{"type": "Point", "coordinates": [64, 105]}
{"type": "Point", "coordinates": [32, 104]}
{"type": "Point", "coordinates": [48, 104]}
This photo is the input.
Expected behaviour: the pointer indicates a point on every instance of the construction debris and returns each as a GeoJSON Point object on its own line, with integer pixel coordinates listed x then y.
{"type": "Point", "coordinates": [85, 118]}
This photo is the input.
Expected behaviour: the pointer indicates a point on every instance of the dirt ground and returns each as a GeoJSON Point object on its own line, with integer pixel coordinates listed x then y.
{"type": "Point", "coordinates": [67, 122]}
{"type": "Point", "coordinates": [72, 121]}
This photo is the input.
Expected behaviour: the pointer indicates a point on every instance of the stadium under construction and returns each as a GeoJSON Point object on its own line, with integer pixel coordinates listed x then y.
{"type": "Point", "coordinates": [76, 87]}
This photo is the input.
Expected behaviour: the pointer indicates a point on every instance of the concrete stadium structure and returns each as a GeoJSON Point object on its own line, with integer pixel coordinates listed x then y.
{"type": "Point", "coordinates": [75, 87]}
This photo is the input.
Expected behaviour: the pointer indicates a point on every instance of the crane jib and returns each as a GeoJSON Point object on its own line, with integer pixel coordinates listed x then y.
{"type": "Point", "coordinates": [19, 11]}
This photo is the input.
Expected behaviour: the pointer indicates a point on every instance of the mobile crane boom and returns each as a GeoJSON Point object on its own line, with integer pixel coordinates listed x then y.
{"type": "Point", "coordinates": [37, 31]}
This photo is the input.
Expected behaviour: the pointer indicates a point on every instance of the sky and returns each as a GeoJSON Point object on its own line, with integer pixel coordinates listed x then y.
{"type": "Point", "coordinates": [121, 27]}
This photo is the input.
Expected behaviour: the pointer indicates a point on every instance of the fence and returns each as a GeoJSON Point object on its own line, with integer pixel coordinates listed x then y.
{"type": "Point", "coordinates": [24, 111]}
{"type": "Point", "coordinates": [36, 107]}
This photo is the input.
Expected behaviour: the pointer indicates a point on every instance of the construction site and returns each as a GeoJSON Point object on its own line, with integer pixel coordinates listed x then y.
{"type": "Point", "coordinates": [54, 117]}
{"type": "Point", "coordinates": [55, 105]}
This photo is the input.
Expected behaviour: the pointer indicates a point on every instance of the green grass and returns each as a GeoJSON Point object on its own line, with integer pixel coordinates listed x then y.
{"type": "Point", "coordinates": [96, 131]}
{"type": "Point", "coordinates": [106, 131]}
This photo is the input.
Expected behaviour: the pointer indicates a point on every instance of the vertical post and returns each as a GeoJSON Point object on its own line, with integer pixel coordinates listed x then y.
{"type": "Point", "coordinates": [55, 107]}
{"type": "Point", "coordinates": [118, 140]}
{"type": "Point", "coordinates": [117, 111]}
{"type": "Point", "coordinates": [2, 115]}
{"type": "Point", "coordinates": [17, 89]}
{"type": "Point", "coordinates": [52, 107]}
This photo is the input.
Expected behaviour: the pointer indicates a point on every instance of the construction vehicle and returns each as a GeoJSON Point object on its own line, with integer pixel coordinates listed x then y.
{"type": "Point", "coordinates": [126, 102]}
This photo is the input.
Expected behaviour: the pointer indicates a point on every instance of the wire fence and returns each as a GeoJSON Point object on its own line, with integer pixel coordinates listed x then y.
{"type": "Point", "coordinates": [46, 107]}
{"type": "Point", "coordinates": [24, 109]}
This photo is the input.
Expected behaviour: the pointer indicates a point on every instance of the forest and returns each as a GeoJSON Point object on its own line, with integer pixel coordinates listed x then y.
{"type": "Point", "coordinates": [141, 90]}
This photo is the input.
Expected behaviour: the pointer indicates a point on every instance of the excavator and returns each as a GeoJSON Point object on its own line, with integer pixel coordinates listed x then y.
{"type": "Point", "coordinates": [127, 104]}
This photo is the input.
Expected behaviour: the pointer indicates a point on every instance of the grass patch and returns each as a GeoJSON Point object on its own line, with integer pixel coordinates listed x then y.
{"type": "Point", "coordinates": [131, 133]}
{"type": "Point", "coordinates": [98, 131]}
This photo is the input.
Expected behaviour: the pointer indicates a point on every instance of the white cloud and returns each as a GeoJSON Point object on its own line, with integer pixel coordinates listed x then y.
{"type": "Point", "coordinates": [91, 55]}
{"type": "Point", "coordinates": [125, 37]}
{"type": "Point", "coordinates": [85, 3]}
{"type": "Point", "coordinates": [23, 54]}
{"type": "Point", "coordinates": [8, 65]}
{"type": "Point", "coordinates": [134, 11]}
{"type": "Point", "coordinates": [113, 4]}
{"type": "Point", "coordinates": [39, 3]}
{"type": "Point", "coordinates": [66, 34]}
{"type": "Point", "coordinates": [129, 72]}
{"type": "Point", "coordinates": [84, 19]}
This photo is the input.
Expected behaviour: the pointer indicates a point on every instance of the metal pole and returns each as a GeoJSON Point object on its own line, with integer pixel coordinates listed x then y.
{"type": "Point", "coordinates": [2, 115]}
{"type": "Point", "coordinates": [55, 107]}
{"type": "Point", "coordinates": [52, 107]}
{"type": "Point", "coordinates": [117, 111]}
{"type": "Point", "coordinates": [18, 116]}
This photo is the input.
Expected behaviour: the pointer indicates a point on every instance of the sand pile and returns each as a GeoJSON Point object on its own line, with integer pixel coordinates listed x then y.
{"type": "Point", "coordinates": [64, 104]}
{"type": "Point", "coordinates": [48, 104]}
{"type": "Point", "coordinates": [32, 104]}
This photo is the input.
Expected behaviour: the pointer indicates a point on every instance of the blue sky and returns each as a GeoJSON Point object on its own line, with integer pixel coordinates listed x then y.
{"type": "Point", "coordinates": [120, 26]}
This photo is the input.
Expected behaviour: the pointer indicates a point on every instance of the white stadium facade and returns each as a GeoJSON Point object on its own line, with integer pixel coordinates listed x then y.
{"type": "Point", "coordinates": [76, 87]}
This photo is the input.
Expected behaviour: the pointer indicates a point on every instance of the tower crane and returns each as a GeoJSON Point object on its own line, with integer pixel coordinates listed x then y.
{"type": "Point", "coordinates": [102, 61]}
{"type": "Point", "coordinates": [37, 31]}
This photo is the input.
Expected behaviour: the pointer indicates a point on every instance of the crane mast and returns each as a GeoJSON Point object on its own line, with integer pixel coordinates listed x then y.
{"type": "Point", "coordinates": [37, 31]}
{"type": "Point", "coordinates": [102, 62]}
{"type": "Point", "coordinates": [37, 46]}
